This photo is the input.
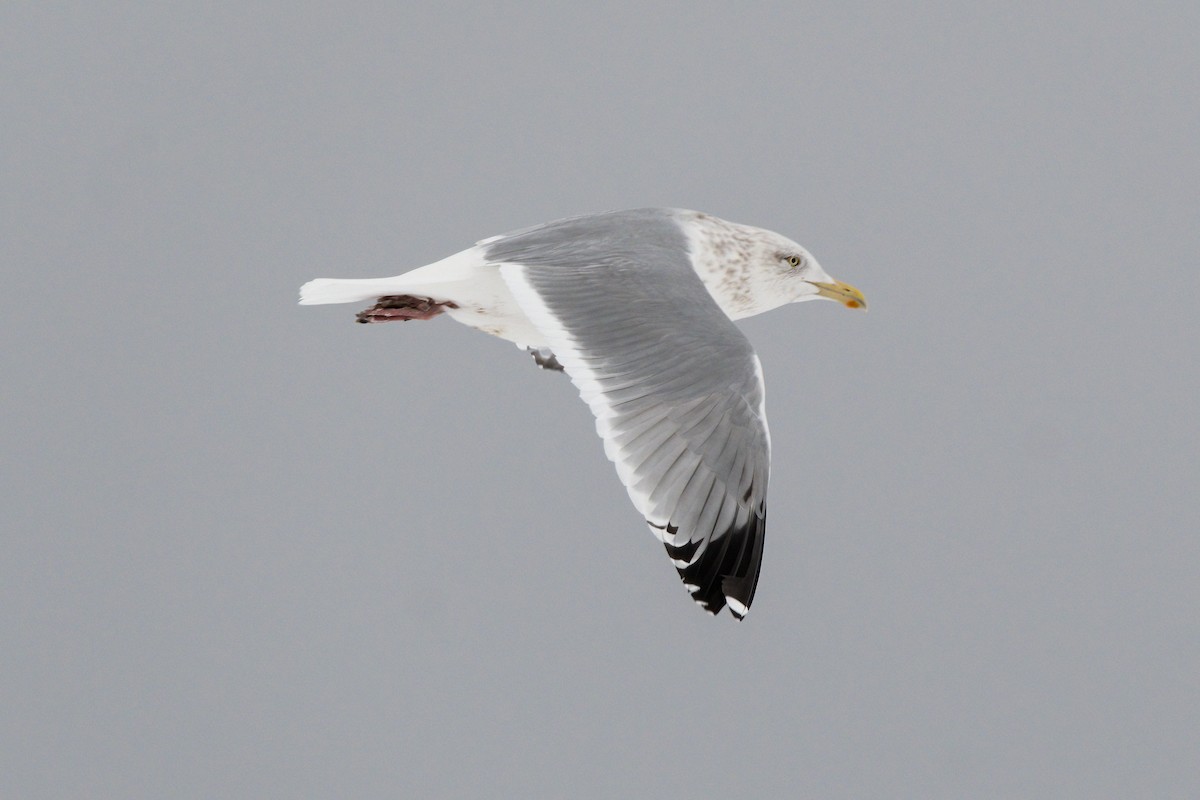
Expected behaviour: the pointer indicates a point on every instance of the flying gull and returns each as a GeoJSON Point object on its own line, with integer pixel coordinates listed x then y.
{"type": "Point", "coordinates": [637, 308]}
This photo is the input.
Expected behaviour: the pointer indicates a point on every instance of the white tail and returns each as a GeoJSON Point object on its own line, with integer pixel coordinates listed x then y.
{"type": "Point", "coordinates": [432, 280]}
{"type": "Point", "coordinates": [336, 290]}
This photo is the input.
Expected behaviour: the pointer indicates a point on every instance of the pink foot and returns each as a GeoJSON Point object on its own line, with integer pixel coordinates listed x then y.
{"type": "Point", "coordinates": [404, 307]}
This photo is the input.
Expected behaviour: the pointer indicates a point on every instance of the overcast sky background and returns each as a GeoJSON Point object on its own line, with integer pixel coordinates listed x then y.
{"type": "Point", "coordinates": [255, 550]}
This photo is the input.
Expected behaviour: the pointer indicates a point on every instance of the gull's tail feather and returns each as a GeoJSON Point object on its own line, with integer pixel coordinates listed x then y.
{"type": "Point", "coordinates": [336, 290]}
{"type": "Point", "coordinates": [434, 280]}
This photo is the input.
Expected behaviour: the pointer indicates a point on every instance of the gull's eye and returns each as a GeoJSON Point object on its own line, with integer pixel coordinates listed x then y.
{"type": "Point", "coordinates": [794, 260]}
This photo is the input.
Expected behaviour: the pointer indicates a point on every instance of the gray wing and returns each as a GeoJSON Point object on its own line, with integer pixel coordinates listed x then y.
{"type": "Point", "coordinates": [675, 387]}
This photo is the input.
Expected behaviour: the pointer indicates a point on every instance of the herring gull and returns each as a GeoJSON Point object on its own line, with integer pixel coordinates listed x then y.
{"type": "Point", "coordinates": [637, 308]}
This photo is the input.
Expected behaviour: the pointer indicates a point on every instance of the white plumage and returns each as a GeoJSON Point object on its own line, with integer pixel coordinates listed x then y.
{"type": "Point", "coordinates": [636, 306]}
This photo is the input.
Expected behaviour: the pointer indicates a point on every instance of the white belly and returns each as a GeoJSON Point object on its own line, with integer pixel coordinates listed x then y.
{"type": "Point", "coordinates": [487, 305]}
{"type": "Point", "coordinates": [477, 288]}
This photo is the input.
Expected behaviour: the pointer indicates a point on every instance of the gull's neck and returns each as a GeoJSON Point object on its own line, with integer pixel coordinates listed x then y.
{"type": "Point", "coordinates": [725, 255]}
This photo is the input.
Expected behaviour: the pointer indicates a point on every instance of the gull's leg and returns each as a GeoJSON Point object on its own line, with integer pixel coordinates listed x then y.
{"type": "Point", "coordinates": [545, 359]}
{"type": "Point", "coordinates": [403, 307]}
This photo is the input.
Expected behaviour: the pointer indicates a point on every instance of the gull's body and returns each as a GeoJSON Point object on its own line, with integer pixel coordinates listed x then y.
{"type": "Point", "coordinates": [636, 306]}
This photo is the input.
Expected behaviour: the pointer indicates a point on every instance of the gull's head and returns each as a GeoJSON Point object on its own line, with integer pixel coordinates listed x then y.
{"type": "Point", "coordinates": [801, 277]}
{"type": "Point", "coordinates": [816, 283]}
{"type": "Point", "coordinates": [750, 270]}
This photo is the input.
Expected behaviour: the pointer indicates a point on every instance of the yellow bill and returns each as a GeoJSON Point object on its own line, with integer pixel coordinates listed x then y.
{"type": "Point", "coordinates": [843, 293]}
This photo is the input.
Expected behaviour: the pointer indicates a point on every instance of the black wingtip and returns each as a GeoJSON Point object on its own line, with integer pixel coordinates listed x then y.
{"type": "Point", "coordinates": [727, 571]}
{"type": "Point", "coordinates": [739, 588]}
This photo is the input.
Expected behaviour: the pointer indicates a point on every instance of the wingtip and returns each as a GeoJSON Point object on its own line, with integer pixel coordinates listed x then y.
{"type": "Point", "coordinates": [714, 609]}
{"type": "Point", "coordinates": [737, 608]}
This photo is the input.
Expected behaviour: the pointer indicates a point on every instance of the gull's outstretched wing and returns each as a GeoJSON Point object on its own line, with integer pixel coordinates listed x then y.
{"type": "Point", "coordinates": [675, 387]}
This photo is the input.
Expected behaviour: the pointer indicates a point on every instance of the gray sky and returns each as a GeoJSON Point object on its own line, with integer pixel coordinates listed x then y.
{"type": "Point", "coordinates": [256, 550]}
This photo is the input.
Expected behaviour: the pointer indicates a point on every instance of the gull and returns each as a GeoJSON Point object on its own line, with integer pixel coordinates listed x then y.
{"type": "Point", "coordinates": [637, 307]}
